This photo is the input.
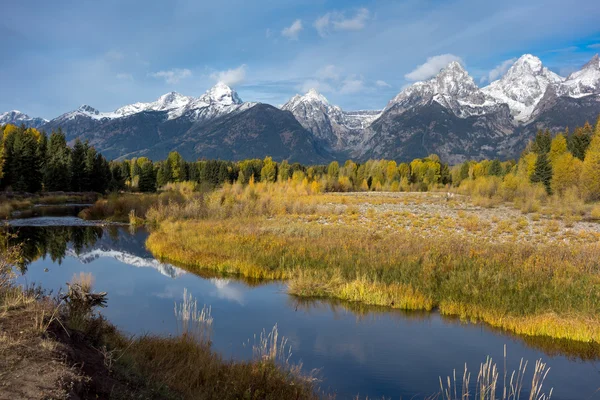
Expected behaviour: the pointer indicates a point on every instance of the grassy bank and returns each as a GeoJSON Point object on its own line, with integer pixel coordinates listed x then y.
{"type": "Point", "coordinates": [527, 274]}
{"type": "Point", "coordinates": [68, 351]}
{"type": "Point", "coordinates": [24, 202]}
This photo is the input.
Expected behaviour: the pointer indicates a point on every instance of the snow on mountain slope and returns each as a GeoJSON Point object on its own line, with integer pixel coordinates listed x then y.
{"type": "Point", "coordinates": [167, 102]}
{"type": "Point", "coordinates": [217, 101]}
{"type": "Point", "coordinates": [452, 87]}
{"type": "Point", "coordinates": [338, 128]}
{"type": "Point", "coordinates": [16, 117]}
{"type": "Point", "coordinates": [522, 86]}
{"type": "Point", "coordinates": [584, 82]}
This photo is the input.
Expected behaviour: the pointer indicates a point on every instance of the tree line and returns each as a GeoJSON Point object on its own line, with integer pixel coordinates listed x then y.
{"type": "Point", "coordinates": [31, 161]}
{"type": "Point", "coordinates": [567, 163]}
{"type": "Point", "coordinates": [146, 176]}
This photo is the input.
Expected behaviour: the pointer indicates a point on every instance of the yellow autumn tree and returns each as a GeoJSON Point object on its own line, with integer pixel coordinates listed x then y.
{"type": "Point", "coordinates": [590, 169]}
{"type": "Point", "coordinates": [558, 147]}
{"type": "Point", "coordinates": [565, 172]}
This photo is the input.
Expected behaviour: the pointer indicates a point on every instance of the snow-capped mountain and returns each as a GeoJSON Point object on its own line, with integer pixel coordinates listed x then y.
{"type": "Point", "coordinates": [448, 114]}
{"type": "Point", "coordinates": [453, 88]}
{"type": "Point", "coordinates": [523, 86]}
{"type": "Point", "coordinates": [584, 82]}
{"type": "Point", "coordinates": [340, 130]}
{"type": "Point", "coordinates": [16, 117]}
{"type": "Point", "coordinates": [218, 100]}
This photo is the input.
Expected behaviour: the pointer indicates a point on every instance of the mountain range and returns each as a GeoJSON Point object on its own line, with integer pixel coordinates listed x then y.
{"type": "Point", "coordinates": [449, 115]}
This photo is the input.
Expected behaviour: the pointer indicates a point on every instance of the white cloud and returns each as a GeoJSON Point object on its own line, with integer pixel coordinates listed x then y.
{"type": "Point", "coordinates": [172, 76]}
{"type": "Point", "coordinates": [124, 76]}
{"type": "Point", "coordinates": [291, 32]}
{"type": "Point", "coordinates": [231, 76]}
{"type": "Point", "coordinates": [594, 46]}
{"type": "Point", "coordinates": [355, 23]}
{"type": "Point", "coordinates": [352, 85]}
{"type": "Point", "coordinates": [499, 70]}
{"type": "Point", "coordinates": [322, 25]}
{"type": "Point", "coordinates": [431, 67]}
{"type": "Point", "coordinates": [329, 72]}
{"type": "Point", "coordinates": [339, 22]}
{"type": "Point", "coordinates": [381, 83]}
{"type": "Point", "coordinates": [315, 84]}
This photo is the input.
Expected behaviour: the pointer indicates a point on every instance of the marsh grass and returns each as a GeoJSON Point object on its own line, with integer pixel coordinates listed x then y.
{"type": "Point", "coordinates": [533, 289]}
{"type": "Point", "coordinates": [490, 385]}
{"type": "Point", "coordinates": [193, 321]}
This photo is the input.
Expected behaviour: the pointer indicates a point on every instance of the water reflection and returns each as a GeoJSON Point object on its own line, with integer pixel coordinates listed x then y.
{"type": "Point", "coordinates": [87, 244]}
{"type": "Point", "coordinates": [362, 349]}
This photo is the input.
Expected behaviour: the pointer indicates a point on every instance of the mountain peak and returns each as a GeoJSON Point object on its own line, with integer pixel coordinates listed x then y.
{"type": "Point", "coordinates": [172, 100]}
{"type": "Point", "coordinates": [529, 61]}
{"type": "Point", "coordinates": [313, 94]}
{"type": "Point", "coordinates": [594, 63]}
{"type": "Point", "coordinates": [88, 109]}
{"type": "Point", "coordinates": [221, 93]}
{"type": "Point", "coordinates": [584, 82]}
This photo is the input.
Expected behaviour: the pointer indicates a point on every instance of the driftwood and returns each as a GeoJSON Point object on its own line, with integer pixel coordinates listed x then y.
{"type": "Point", "coordinates": [80, 297]}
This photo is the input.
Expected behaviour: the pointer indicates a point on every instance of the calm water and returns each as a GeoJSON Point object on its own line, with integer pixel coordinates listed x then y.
{"type": "Point", "coordinates": [359, 350]}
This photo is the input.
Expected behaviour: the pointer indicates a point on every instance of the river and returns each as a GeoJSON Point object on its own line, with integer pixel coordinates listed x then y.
{"type": "Point", "coordinates": [358, 350]}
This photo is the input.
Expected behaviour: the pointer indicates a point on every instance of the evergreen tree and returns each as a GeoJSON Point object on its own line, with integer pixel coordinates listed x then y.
{"type": "Point", "coordinates": [79, 180]}
{"type": "Point", "coordinates": [495, 168]}
{"type": "Point", "coordinates": [117, 178]}
{"type": "Point", "coordinates": [57, 176]}
{"type": "Point", "coordinates": [543, 172]}
{"type": "Point", "coordinates": [147, 181]}
{"type": "Point", "coordinates": [542, 141]}
{"type": "Point", "coordinates": [578, 143]}
{"type": "Point", "coordinates": [164, 174]}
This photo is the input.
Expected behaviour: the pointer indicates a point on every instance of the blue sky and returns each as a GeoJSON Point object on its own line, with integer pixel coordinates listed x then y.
{"type": "Point", "coordinates": [57, 55]}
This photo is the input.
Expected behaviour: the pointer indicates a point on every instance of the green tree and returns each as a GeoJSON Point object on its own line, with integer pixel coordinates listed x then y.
{"type": "Point", "coordinates": [79, 180]}
{"type": "Point", "coordinates": [543, 172]}
{"type": "Point", "coordinates": [57, 174]}
{"type": "Point", "coordinates": [495, 168]}
{"type": "Point", "coordinates": [147, 182]}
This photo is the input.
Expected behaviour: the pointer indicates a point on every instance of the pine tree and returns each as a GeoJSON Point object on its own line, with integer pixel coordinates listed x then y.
{"type": "Point", "coordinates": [164, 174]}
{"type": "Point", "coordinates": [542, 141]}
{"type": "Point", "coordinates": [495, 168]}
{"type": "Point", "coordinates": [147, 181]}
{"type": "Point", "coordinates": [543, 172]}
{"type": "Point", "coordinates": [57, 176]}
{"type": "Point", "coordinates": [78, 171]}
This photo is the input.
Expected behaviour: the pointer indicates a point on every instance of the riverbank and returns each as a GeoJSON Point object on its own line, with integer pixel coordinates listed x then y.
{"type": "Point", "coordinates": [24, 204]}
{"type": "Point", "coordinates": [58, 350]}
{"type": "Point", "coordinates": [531, 274]}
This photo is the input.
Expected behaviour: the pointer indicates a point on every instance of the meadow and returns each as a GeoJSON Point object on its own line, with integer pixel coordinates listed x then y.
{"type": "Point", "coordinates": [529, 273]}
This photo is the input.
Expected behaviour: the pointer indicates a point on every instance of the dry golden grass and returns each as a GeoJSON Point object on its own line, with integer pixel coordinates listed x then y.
{"type": "Point", "coordinates": [407, 261]}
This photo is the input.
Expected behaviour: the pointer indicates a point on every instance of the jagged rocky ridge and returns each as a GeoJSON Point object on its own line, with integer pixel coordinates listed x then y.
{"type": "Point", "coordinates": [16, 117]}
{"type": "Point", "coordinates": [448, 115]}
